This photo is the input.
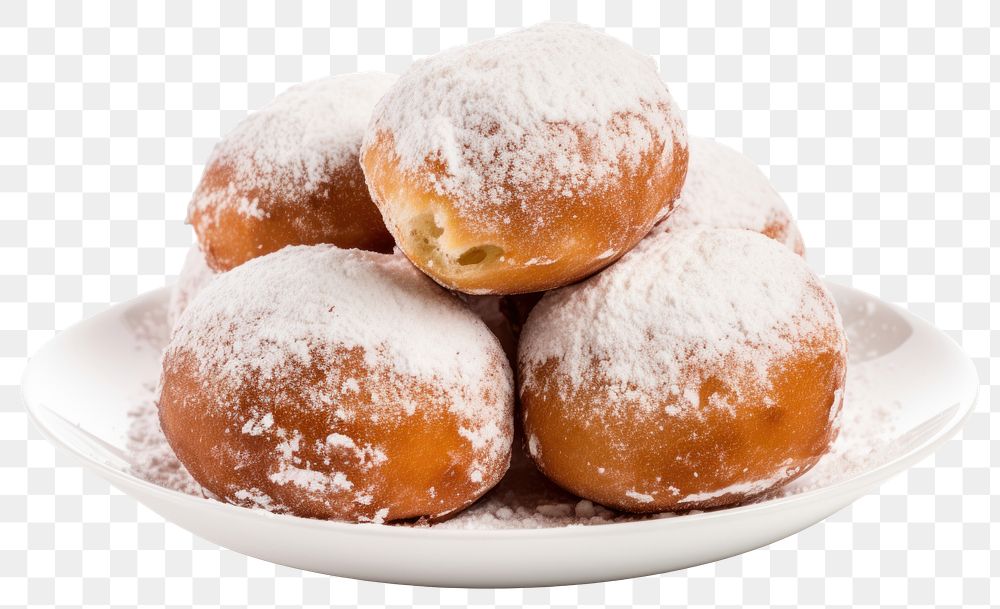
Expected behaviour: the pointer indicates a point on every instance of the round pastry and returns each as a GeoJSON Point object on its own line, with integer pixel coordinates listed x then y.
{"type": "Point", "coordinates": [725, 189]}
{"type": "Point", "coordinates": [194, 275]}
{"type": "Point", "coordinates": [525, 162]}
{"type": "Point", "coordinates": [289, 175]}
{"type": "Point", "coordinates": [315, 381]}
{"type": "Point", "coordinates": [705, 367]}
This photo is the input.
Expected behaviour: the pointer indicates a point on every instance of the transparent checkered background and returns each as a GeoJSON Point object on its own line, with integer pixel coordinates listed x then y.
{"type": "Point", "coordinates": [873, 119]}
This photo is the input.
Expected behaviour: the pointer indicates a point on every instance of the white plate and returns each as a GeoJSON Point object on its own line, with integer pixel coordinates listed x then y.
{"type": "Point", "coordinates": [80, 386]}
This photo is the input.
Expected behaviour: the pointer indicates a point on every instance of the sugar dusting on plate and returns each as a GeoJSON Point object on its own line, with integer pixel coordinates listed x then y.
{"type": "Point", "coordinates": [152, 458]}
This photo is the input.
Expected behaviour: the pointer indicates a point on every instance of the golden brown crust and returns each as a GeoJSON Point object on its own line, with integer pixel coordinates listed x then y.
{"type": "Point", "coordinates": [547, 239]}
{"type": "Point", "coordinates": [338, 211]}
{"type": "Point", "coordinates": [688, 457]}
{"type": "Point", "coordinates": [400, 467]}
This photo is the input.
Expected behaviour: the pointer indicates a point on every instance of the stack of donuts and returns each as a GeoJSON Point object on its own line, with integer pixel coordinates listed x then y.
{"type": "Point", "coordinates": [399, 282]}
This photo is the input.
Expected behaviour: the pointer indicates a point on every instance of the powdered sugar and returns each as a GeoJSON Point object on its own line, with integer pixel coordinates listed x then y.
{"type": "Point", "coordinates": [525, 499]}
{"type": "Point", "coordinates": [292, 144]}
{"type": "Point", "coordinates": [151, 457]}
{"type": "Point", "coordinates": [336, 439]}
{"type": "Point", "coordinates": [725, 189]}
{"type": "Point", "coordinates": [365, 455]}
{"type": "Point", "coordinates": [742, 489]}
{"type": "Point", "coordinates": [640, 497]}
{"type": "Point", "coordinates": [869, 435]}
{"type": "Point", "coordinates": [255, 498]}
{"type": "Point", "coordinates": [552, 108]}
{"type": "Point", "coordinates": [311, 480]}
{"type": "Point", "coordinates": [679, 302]}
{"type": "Point", "coordinates": [287, 306]}
{"type": "Point", "coordinates": [256, 427]}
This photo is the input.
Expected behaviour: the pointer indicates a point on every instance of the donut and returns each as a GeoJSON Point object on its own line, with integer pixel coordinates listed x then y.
{"type": "Point", "coordinates": [337, 384]}
{"type": "Point", "coordinates": [525, 162]}
{"type": "Point", "coordinates": [725, 189]}
{"type": "Point", "coordinates": [289, 175]}
{"type": "Point", "coordinates": [704, 368]}
{"type": "Point", "coordinates": [194, 275]}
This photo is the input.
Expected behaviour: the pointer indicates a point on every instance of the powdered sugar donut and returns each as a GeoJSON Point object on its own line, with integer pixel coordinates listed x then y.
{"type": "Point", "coordinates": [725, 189]}
{"type": "Point", "coordinates": [289, 175]}
{"type": "Point", "coordinates": [194, 275]}
{"type": "Point", "coordinates": [705, 367]}
{"type": "Point", "coordinates": [337, 384]}
{"type": "Point", "coordinates": [525, 162]}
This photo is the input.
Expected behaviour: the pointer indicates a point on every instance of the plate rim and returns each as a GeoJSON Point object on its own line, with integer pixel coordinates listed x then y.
{"type": "Point", "coordinates": [862, 480]}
